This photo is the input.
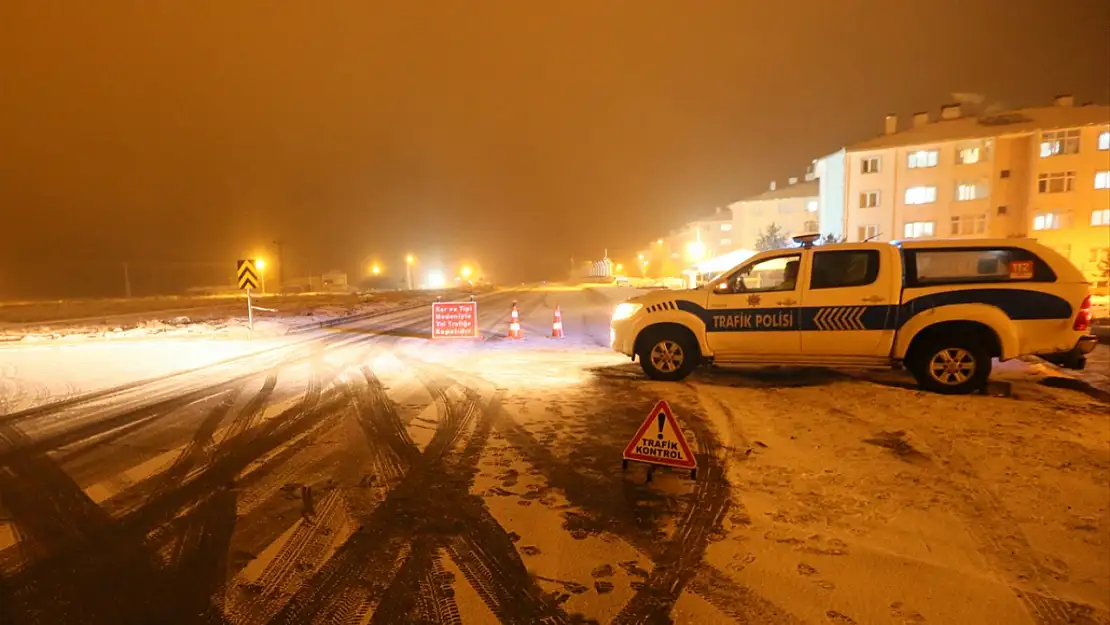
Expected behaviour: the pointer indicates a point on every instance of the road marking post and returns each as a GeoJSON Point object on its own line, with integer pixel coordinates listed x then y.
{"type": "Point", "coordinates": [247, 277]}
{"type": "Point", "coordinates": [660, 442]}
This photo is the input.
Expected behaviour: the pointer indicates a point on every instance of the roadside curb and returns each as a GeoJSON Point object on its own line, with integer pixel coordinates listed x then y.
{"type": "Point", "coordinates": [1089, 383]}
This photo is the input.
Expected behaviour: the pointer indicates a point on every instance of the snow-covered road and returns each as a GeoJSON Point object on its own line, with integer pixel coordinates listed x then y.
{"type": "Point", "coordinates": [365, 474]}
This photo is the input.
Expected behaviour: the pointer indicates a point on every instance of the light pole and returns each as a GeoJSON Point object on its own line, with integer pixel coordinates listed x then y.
{"type": "Point", "coordinates": [409, 260]}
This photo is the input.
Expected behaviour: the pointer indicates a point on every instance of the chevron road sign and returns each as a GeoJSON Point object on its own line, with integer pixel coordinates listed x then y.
{"type": "Point", "coordinates": [247, 274]}
{"type": "Point", "coordinates": [840, 318]}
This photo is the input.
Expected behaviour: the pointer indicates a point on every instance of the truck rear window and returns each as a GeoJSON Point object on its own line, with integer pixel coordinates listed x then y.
{"type": "Point", "coordinates": [935, 266]}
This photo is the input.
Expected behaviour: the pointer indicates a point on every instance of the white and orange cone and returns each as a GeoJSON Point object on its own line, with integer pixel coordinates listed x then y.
{"type": "Point", "coordinates": [514, 325]}
{"type": "Point", "coordinates": [557, 324]}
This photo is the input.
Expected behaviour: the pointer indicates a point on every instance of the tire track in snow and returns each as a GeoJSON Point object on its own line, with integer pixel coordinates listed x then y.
{"type": "Point", "coordinates": [678, 562]}
{"type": "Point", "coordinates": [114, 557]}
{"type": "Point", "coordinates": [156, 387]}
{"type": "Point", "coordinates": [1001, 540]}
{"type": "Point", "coordinates": [598, 499]}
{"type": "Point", "coordinates": [431, 502]}
{"type": "Point", "coordinates": [371, 550]}
{"type": "Point", "coordinates": [484, 551]}
{"type": "Point", "coordinates": [120, 552]}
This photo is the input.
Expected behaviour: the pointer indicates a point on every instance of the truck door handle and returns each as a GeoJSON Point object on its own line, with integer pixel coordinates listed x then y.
{"type": "Point", "coordinates": [786, 302]}
{"type": "Point", "coordinates": [874, 299]}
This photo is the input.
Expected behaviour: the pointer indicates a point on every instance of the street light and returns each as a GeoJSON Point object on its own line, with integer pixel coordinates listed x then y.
{"type": "Point", "coordinates": [260, 265]}
{"type": "Point", "coordinates": [465, 272]}
{"type": "Point", "coordinates": [695, 250]}
{"type": "Point", "coordinates": [376, 270]}
{"type": "Point", "coordinates": [620, 267]}
{"type": "Point", "coordinates": [409, 260]}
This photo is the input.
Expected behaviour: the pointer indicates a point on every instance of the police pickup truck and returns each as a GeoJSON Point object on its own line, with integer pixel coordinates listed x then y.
{"type": "Point", "coordinates": [941, 308]}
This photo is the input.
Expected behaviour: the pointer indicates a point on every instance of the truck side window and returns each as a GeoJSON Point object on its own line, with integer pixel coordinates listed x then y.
{"type": "Point", "coordinates": [959, 265]}
{"type": "Point", "coordinates": [773, 274]}
{"type": "Point", "coordinates": [845, 268]}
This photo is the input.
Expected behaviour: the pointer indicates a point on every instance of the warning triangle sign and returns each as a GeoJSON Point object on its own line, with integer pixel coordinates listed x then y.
{"type": "Point", "coordinates": [660, 441]}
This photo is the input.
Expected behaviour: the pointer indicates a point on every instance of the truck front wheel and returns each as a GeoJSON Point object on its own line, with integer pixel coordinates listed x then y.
{"type": "Point", "coordinates": [950, 364]}
{"type": "Point", "coordinates": [668, 356]}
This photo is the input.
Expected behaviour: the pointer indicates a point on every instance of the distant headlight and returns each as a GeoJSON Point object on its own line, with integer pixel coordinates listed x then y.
{"type": "Point", "coordinates": [626, 310]}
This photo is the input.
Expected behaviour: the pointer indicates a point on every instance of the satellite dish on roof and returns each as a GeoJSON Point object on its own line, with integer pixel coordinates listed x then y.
{"type": "Point", "coordinates": [807, 240]}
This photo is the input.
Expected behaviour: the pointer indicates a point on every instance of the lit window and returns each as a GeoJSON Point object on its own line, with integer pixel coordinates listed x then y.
{"type": "Point", "coordinates": [921, 195]}
{"type": "Point", "coordinates": [726, 227]}
{"type": "Point", "coordinates": [969, 224]}
{"type": "Point", "coordinates": [870, 165]}
{"type": "Point", "coordinates": [1102, 179]}
{"type": "Point", "coordinates": [868, 232]}
{"type": "Point", "coordinates": [1104, 140]}
{"type": "Point", "coordinates": [967, 156]}
{"type": "Point", "coordinates": [869, 199]}
{"type": "Point", "coordinates": [1056, 182]}
{"type": "Point", "coordinates": [726, 242]}
{"type": "Point", "coordinates": [811, 206]}
{"type": "Point", "coordinates": [1059, 143]}
{"type": "Point", "coordinates": [1100, 217]}
{"type": "Point", "coordinates": [1046, 221]}
{"type": "Point", "coordinates": [969, 191]}
{"type": "Point", "coordinates": [918, 229]}
{"type": "Point", "coordinates": [923, 158]}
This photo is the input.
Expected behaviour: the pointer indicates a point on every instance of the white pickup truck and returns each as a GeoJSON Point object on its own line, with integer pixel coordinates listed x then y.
{"type": "Point", "coordinates": [942, 308]}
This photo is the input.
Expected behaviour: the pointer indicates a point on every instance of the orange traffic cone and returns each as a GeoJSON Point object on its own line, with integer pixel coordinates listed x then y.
{"type": "Point", "coordinates": [557, 324]}
{"type": "Point", "coordinates": [514, 325]}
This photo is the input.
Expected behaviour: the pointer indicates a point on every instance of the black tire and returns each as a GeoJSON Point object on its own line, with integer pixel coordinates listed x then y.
{"type": "Point", "coordinates": [941, 364]}
{"type": "Point", "coordinates": [683, 348]}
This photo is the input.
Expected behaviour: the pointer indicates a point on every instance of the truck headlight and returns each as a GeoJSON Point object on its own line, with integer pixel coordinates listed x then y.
{"type": "Point", "coordinates": [626, 310]}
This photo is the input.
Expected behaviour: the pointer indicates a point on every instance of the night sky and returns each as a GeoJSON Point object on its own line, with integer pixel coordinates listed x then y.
{"type": "Point", "coordinates": [187, 133]}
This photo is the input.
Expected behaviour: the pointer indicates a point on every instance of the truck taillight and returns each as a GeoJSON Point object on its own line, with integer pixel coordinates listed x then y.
{"type": "Point", "coordinates": [1083, 319]}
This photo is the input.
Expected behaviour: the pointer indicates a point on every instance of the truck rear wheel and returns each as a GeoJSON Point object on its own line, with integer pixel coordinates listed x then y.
{"type": "Point", "coordinates": [668, 355]}
{"type": "Point", "coordinates": [951, 364]}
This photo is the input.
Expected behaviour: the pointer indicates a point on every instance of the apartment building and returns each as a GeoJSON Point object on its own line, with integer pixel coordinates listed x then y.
{"type": "Point", "coordinates": [794, 207]}
{"type": "Point", "coordinates": [1038, 172]}
{"type": "Point", "coordinates": [706, 237]}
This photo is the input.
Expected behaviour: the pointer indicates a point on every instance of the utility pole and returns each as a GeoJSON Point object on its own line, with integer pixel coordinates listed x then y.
{"type": "Point", "coordinates": [126, 280]}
